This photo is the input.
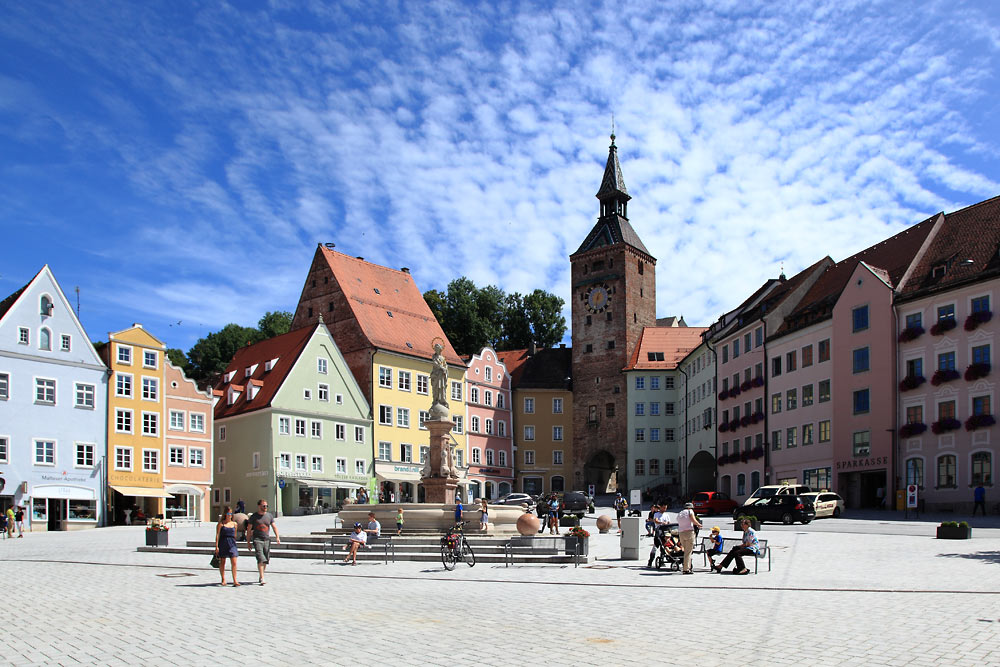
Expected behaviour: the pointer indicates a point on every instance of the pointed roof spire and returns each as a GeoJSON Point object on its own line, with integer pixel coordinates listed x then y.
{"type": "Point", "coordinates": [613, 183]}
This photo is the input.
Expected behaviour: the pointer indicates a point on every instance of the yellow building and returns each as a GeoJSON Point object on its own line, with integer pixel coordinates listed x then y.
{"type": "Point", "coordinates": [135, 423]}
{"type": "Point", "coordinates": [386, 332]}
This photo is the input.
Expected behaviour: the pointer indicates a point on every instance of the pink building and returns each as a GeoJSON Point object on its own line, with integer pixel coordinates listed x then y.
{"type": "Point", "coordinates": [946, 332]}
{"type": "Point", "coordinates": [187, 475]}
{"type": "Point", "coordinates": [489, 426]}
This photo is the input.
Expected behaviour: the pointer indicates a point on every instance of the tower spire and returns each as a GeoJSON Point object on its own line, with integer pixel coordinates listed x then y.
{"type": "Point", "coordinates": [613, 194]}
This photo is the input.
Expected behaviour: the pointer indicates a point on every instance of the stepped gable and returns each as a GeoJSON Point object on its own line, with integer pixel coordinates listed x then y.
{"type": "Point", "coordinates": [971, 233]}
{"type": "Point", "coordinates": [388, 307]}
{"type": "Point", "coordinates": [889, 259]}
{"type": "Point", "coordinates": [662, 348]}
{"type": "Point", "coordinates": [286, 348]}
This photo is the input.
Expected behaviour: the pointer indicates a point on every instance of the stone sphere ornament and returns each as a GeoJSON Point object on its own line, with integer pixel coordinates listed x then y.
{"type": "Point", "coordinates": [604, 523]}
{"type": "Point", "coordinates": [527, 524]}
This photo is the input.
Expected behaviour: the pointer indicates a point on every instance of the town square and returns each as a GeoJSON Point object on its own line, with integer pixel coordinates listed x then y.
{"type": "Point", "coordinates": [509, 333]}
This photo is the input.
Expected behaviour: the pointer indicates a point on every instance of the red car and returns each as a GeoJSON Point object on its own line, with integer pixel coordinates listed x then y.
{"type": "Point", "coordinates": [713, 502]}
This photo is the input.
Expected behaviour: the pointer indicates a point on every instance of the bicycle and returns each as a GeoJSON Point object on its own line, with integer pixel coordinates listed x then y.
{"type": "Point", "coordinates": [455, 548]}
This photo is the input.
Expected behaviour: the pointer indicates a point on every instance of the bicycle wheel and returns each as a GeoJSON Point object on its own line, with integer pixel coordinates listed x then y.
{"type": "Point", "coordinates": [467, 554]}
{"type": "Point", "coordinates": [447, 557]}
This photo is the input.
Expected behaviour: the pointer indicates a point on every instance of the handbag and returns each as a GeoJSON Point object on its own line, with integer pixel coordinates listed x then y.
{"type": "Point", "coordinates": [215, 561]}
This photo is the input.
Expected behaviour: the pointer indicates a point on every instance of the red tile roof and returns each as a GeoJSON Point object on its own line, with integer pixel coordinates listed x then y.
{"type": "Point", "coordinates": [388, 307]}
{"type": "Point", "coordinates": [286, 348]}
{"type": "Point", "coordinates": [514, 360]}
{"type": "Point", "coordinates": [971, 233]}
{"type": "Point", "coordinates": [674, 343]}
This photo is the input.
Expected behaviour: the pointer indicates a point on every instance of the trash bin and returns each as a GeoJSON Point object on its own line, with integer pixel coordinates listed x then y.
{"type": "Point", "coordinates": [631, 526]}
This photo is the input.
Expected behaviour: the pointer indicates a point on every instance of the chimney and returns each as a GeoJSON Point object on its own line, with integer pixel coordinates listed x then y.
{"type": "Point", "coordinates": [562, 346]}
{"type": "Point", "coordinates": [405, 269]}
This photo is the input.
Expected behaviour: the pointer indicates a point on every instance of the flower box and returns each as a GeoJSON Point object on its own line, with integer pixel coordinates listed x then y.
{"type": "Point", "coordinates": [950, 530]}
{"type": "Point", "coordinates": [979, 421]}
{"type": "Point", "coordinates": [723, 427]}
{"type": "Point", "coordinates": [758, 452]}
{"type": "Point", "coordinates": [975, 319]}
{"type": "Point", "coordinates": [746, 386]}
{"type": "Point", "coordinates": [946, 324]}
{"type": "Point", "coordinates": [944, 375]}
{"type": "Point", "coordinates": [910, 430]}
{"type": "Point", "coordinates": [745, 420]}
{"type": "Point", "coordinates": [945, 425]}
{"type": "Point", "coordinates": [724, 394]}
{"type": "Point", "coordinates": [977, 371]}
{"type": "Point", "coordinates": [758, 381]}
{"type": "Point", "coordinates": [911, 333]}
{"type": "Point", "coordinates": [573, 542]}
{"type": "Point", "coordinates": [734, 391]}
{"type": "Point", "coordinates": [911, 382]}
{"type": "Point", "coordinates": [756, 417]}
{"type": "Point", "coordinates": [156, 538]}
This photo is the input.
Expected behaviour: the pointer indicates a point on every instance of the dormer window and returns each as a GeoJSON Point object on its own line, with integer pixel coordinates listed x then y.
{"type": "Point", "coordinates": [46, 305]}
{"type": "Point", "coordinates": [249, 370]}
{"type": "Point", "coordinates": [939, 271]}
{"type": "Point", "coordinates": [252, 390]}
{"type": "Point", "coordinates": [270, 363]}
{"type": "Point", "coordinates": [228, 377]}
{"type": "Point", "coordinates": [234, 394]}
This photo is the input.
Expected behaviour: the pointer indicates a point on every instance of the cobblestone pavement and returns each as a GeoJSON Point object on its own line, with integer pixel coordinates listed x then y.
{"type": "Point", "coordinates": [848, 596]}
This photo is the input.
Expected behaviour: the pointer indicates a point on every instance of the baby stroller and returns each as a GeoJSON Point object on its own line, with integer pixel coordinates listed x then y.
{"type": "Point", "coordinates": [662, 553]}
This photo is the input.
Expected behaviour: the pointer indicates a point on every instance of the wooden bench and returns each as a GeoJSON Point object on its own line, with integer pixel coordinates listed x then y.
{"type": "Point", "coordinates": [730, 542]}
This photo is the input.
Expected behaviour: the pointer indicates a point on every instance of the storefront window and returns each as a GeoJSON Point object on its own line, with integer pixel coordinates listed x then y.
{"type": "Point", "coordinates": [38, 512]}
{"type": "Point", "coordinates": [82, 510]}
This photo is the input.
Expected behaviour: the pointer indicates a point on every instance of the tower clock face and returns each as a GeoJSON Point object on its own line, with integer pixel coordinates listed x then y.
{"type": "Point", "coordinates": [598, 298]}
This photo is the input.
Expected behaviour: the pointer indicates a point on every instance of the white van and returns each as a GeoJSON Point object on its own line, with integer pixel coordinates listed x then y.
{"type": "Point", "coordinates": [776, 490]}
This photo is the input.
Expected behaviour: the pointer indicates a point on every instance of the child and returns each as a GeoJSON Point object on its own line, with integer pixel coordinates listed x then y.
{"type": "Point", "coordinates": [716, 548]}
{"type": "Point", "coordinates": [484, 516]}
{"type": "Point", "coordinates": [399, 520]}
{"type": "Point", "coordinates": [651, 520]}
{"type": "Point", "coordinates": [354, 542]}
{"type": "Point", "coordinates": [673, 544]}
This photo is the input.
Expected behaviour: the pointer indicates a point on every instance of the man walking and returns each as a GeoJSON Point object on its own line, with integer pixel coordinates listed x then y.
{"type": "Point", "coordinates": [979, 499]}
{"type": "Point", "coordinates": [258, 536]}
{"type": "Point", "coordinates": [687, 521]}
{"type": "Point", "coordinates": [620, 506]}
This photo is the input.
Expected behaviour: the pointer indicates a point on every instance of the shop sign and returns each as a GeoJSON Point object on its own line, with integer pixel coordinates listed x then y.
{"type": "Point", "coordinates": [868, 462]}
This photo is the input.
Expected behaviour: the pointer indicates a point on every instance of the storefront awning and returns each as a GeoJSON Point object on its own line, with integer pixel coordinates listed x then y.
{"type": "Point", "coordinates": [326, 484]}
{"type": "Point", "coordinates": [141, 491]}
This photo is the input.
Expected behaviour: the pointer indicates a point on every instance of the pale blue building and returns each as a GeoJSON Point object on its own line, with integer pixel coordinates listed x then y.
{"type": "Point", "coordinates": [53, 410]}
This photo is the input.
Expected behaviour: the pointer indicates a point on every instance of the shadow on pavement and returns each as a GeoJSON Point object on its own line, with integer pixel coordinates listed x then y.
{"type": "Point", "coordinates": [985, 556]}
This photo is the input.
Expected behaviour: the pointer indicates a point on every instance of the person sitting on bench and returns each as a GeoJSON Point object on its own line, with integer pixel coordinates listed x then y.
{"type": "Point", "coordinates": [749, 547]}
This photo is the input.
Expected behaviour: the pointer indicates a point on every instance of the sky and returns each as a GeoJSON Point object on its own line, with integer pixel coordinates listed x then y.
{"type": "Point", "coordinates": [179, 161]}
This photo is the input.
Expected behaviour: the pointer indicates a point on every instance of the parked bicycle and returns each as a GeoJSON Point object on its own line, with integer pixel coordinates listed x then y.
{"type": "Point", "coordinates": [455, 548]}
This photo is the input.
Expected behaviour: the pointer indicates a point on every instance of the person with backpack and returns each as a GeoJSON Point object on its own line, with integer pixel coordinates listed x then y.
{"type": "Point", "coordinates": [620, 506]}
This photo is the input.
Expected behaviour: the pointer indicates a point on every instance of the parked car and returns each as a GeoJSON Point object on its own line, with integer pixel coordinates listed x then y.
{"type": "Point", "coordinates": [515, 499]}
{"type": "Point", "coordinates": [776, 490]}
{"type": "Point", "coordinates": [575, 502]}
{"type": "Point", "coordinates": [590, 502]}
{"type": "Point", "coordinates": [784, 507]}
{"type": "Point", "coordinates": [713, 502]}
{"type": "Point", "coordinates": [826, 503]}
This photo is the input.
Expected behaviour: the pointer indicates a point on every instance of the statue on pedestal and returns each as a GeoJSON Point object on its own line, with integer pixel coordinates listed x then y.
{"type": "Point", "coordinates": [439, 384]}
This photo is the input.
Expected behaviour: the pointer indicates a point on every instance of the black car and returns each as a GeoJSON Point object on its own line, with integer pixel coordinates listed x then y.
{"type": "Point", "coordinates": [784, 508]}
{"type": "Point", "coordinates": [575, 502]}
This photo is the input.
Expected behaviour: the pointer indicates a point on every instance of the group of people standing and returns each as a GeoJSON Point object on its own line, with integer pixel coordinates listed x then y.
{"type": "Point", "coordinates": [256, 529]}
{"type": "Point", "coordinates": [12, 519]}
{"type": "Point", "coordinates": [687, 527]}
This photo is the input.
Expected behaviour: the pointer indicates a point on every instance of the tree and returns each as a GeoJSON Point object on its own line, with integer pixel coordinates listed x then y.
{"type": "Point", "coordinates": [209, 357]}
{"type": "Point", "coordinates": [274, 323]}
{"type": "Point", "coordinates": [177, 358]}
{"type": "Point", "coordinates": [544, 312]}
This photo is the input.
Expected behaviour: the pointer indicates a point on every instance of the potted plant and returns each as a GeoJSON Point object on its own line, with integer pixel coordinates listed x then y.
{"type": "Point", "coordinates": [977, 318]}
{"type": "Point", "coordinates": [738, 522]}
{"type": "Point", "coordinates": [979, 421]}
{"type": "Point", "coordinates": [578, 535]}
{"type": "Point", "coordinates": [911, 382]}
{"type": "Point", "coordinates": [945, 425]}
{"type": "Point", "coordinates": [156, 533]}
{"type": "Point", "coordinates": [569, 520]}
{"type": "Point", "coordinates": [944, 375]}
{"type": "Point", "coordinates": [912, 429]}
{"type": "Point", "coordinates": [951, 530]}
{"type": "Point", "coordinates": [911, 333]}
{"type": "Point", "coordinates": [977, 370]}
{"type": "Point", "coordinates": [943, 325]}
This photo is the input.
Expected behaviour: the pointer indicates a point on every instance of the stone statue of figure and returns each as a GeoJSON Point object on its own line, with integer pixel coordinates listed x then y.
{"type": "Point", "coordinates": [439, 384]}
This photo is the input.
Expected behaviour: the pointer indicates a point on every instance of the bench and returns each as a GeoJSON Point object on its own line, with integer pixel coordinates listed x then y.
{"type": "Point", "coordinates": [190, 520]}
{"type": "Point", "coordinates": [340, 540]}
{"type": "Point", "coordinates": [730, 542]}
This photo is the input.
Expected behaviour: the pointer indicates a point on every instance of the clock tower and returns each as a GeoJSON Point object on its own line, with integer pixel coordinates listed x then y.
{"type": "Point", "coordinates": [613, 280]}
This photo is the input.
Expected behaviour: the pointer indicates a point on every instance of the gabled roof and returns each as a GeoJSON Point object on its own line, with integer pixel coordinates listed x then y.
{"type": "Point", "coordinates": [663, 348]}
{"type": "Point", "coordinates": [971, 233]}
{"type": "Point", "coordinates": [609, 231]}
{"type": "Point", "coordinates": [551, 368]}
{"type": "Point", "coordinates": [889, 259]}
{"type": "Point", "coordinates": [514, 360]}
{"type": "Point", "coordinates": [9, 302]}
{"type": "Point", "coordinates": [388, 307]}
{"type": "Point", "coordinates": [286, 348]}
{"type": "Point", "coordinates": [613, 182]}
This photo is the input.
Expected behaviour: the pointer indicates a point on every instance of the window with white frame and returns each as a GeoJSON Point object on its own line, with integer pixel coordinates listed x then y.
{"type": "Point", "coordinates": [338, 399]}
{"type": "Point", "coordinates": [456, 391]}
{"type": "Point", "coordinates": [84, 395]}
{"type": "Point", "coordinates": [423, 382]}
{"type": "Point", "coordinates": [300, 428]}
{"type": "Point", "coordinates": [300, 463]}
{"type": "Point", "coordinates": [307, 394]}
{"type": "Point", "coordinates": [196, 457]}
{"type": "Point", "coordinates": [529, 457]}
{"type": "Point", "coordinates": [23, 335]}
{"type": "Point", "coordinates": [385, 377]}
{"type": "Point", "coordinates": [403, 380]}
{"type": "Point", "coordinates": [66, 342]}
{"type": "Point", "coordinates": [123, 458]}
{"type": "Point", "coordinates": [150, 460]}
{"type": "Point", "coordinates": [489, 374]}
{"type": "Point", "coordinates": [640, 435]}
{"type": "Point", "coordinates": [488, 398]}
{"type": "Point", "coordinates": [125, 355]}
{"type": "Point", "coordinates": [474, 424]}
{"type": "Point", "coordinates": [489, 426]}
{"type": "Point", "coordinates": [403, 417]}
{"type": "Point", "coordinates": [316, 429]}
{"type": "Point", "coordinates": [255, 461]}
{"type": "Point", "coordinates": [317, 464]}
{"type": "Point", "coordinates": [557, 433]}
{"type": "Point", "coordinates": [222, 433]}
{"type": "Point", "coordinates": [476, 455]}
{"type": "Point", "coordinates": [360, 467]}
{"type": "Point", "coordinates": [150, 423]}
{"type": "Point", "coordinates": [500, 400]}
{"type": "Point", "coordinates": [557, 406]}
{"type": "Point", "coordinates": [529, 432]}
{"type": "Point", "coordinates": [321, 365]}
{"type": "Point", "coordinates": [150, 389]}
{"type": "Point", "coordinates": [176, 420]}
{"type": "Point", "coordinates": [227, 495]}
{"type": "Point", "coordinates": [123, 385]}
{"type": "Point", "coordinates": [4, 386]}
{"type": "Point", "coordinates": [501, 428]}
{"type": "Point", "coordinates": [284, 425]}
{"type": "Point", "coordinates": [474, 395]}
{"type": "Point", "coordinates": [339, 431]}
{"type": "Point", "coordinates": [4, 449]}
{"type": "Point", "coordinates": [123, 420]}
{"type": "Point", "coordinates": [385, 415]}
{"type": "Point", "coordinates": [384, 451]}
{"type": "Point", "coordinates": [529, 405]}
{"type": "Point", "coordinates": [557, 457]}
{"type": "Point", "coordinates": [149, 359]}
{"type": "Point", "coordinates": [458, 420]}
{"type": "Point", "coordinates": [285, 461]}
{"type": "Point", "coordinates": [175, 455]}
{"type": "Point", "coordinates": [45, 391]}
{"type": "Point", "coordinates": [341, 466]}
{"type": "Point", "coordinates": [323, 392]}
{"type": "Point", "coordinates": [359, 434]}
{"type": "Point", "coordinates": [85, 454]}
{"type": "Point", "coordinates": [458, 458]}
{"type": "Point", "coordinates": [197, 422]}
{"type": "Point", "coordinates": [406, 453]}
{"type": "Point", "coordinates": [489, 457]}
{"type": "Point", "coordinates": [422, 417]}
{"type": "Point", "coordinates": [502, 458]}
{"type": "Point", "coordinates": [424, 453]}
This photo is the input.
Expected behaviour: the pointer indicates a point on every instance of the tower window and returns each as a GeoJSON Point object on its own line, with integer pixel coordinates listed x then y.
{"type": "Point", "coordinates": [609, 316]}
{"type": "Point", "coordinates": [330, 307]}
{"type": "Point", "coordinates": [641, 267]}
{"type": "Point", "coordinates": [611, 344]}
{"type": "Point", "coordinates": [588, 319]}
{"type": "Point", "coordinates": [310, 312]}
{"type": "Point", "coordinates": [589, 348]}
{"type": "Point", "coordinates": [635, 317]}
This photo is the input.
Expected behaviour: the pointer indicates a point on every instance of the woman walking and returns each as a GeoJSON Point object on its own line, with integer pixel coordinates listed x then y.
{"type": "Point", "coordinates": [484, 515]}
{"type": "Point", "coordinates": [225, 544]}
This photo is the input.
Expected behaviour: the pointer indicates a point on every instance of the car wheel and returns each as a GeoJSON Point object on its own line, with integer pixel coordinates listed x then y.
{"type": "Point", "coordinates": [805, 521]}
{"type": "Point", "coordinates": [786, 519]}
{"type": "Point", "coordinates": [836, 512]}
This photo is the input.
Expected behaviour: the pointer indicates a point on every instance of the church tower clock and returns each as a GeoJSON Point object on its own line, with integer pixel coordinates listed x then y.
{"type": "Point", "coordinates": [613, 279]}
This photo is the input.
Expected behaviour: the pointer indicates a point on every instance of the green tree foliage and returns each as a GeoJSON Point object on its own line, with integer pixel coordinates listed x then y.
{"type": "Point", "coordinates": [274, 323]}
{"type": "Point", "coordinates": [177, 358]}
{"type": "Point", "coordinates": [210, 355]}
{"type": "Point", "coordinates": [473, 317]}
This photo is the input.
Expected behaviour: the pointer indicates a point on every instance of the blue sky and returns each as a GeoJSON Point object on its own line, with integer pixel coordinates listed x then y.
{"type": "Point", "coordinates": [179, 161]}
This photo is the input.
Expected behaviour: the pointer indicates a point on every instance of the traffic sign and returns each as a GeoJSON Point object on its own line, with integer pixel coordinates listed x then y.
{"type": "Point", "coordinates": [911, 497]}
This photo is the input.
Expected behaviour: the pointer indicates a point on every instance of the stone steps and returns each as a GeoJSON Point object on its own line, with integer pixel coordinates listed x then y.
{"type": "Point", "coordinates": [378, 555]}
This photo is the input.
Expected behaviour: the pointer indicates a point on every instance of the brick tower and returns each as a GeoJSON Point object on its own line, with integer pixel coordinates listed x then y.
{"type": "Point", "coordinates": [613, 279]}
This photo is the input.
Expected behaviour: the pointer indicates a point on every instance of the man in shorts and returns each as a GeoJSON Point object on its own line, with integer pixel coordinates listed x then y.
{"type": "Point", "coordinates": [620, 506]}
{"type": "Point", "coordinates": [258, 536]}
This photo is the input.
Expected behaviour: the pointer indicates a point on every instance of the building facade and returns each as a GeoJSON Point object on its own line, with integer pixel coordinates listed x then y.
{"type": "Point", "coordinates": [187, 471]}
{"type": "Point", "coordinates": [488, 420]}
{"type": "Point", "coordinates": [699, 446]}
{"type": "Point", "coordinates": [53, 419]}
